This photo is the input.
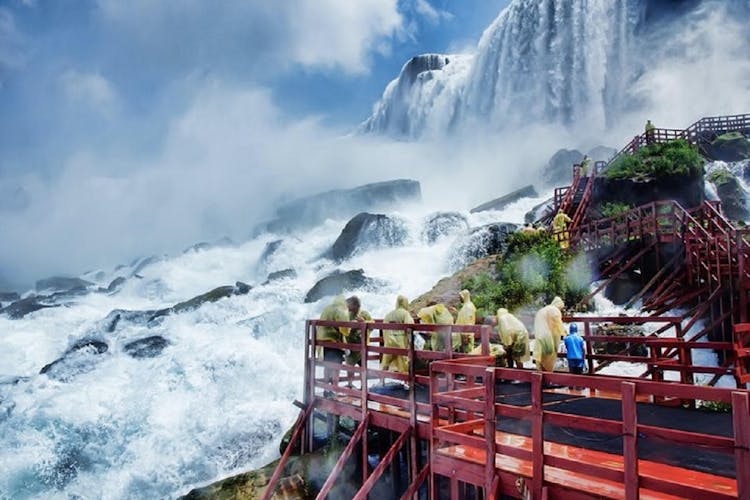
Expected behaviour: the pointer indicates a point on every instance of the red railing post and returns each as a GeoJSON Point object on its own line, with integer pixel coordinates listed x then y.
{"type": "Point", "coordinates": [489, 432]}
{"type": "Point", "coordinates": [630, 440]}
{"type": "Point", "coordinates": [741, 424]}
{"type": "Point", "coordinates": [537, 435]}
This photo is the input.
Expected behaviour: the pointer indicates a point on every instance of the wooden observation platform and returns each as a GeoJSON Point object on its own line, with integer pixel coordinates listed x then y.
{"type": "Point", "coordinates": [457, 426]}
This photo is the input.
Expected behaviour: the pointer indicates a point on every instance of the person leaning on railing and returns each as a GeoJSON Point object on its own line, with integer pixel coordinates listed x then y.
{"type": "Point", "coordinates": [397, 338]}
{"type": "Point", "coordinates": [356, 313]}
{"type": "Point", "coordinates": [335, 311]}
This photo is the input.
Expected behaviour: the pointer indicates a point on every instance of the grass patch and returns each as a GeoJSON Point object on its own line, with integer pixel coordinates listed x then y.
{"type": "Point", "coordinates": [720, 176]}
{"type": "Point", "coordinates": [532, 271]}
{"type": "Point", "coordinates": [674, 158]}
{"type": "Point", "coordinates": [614, 209]}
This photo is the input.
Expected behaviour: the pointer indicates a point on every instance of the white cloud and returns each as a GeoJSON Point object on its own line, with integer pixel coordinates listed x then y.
{"type": "Point", "coordinates": [91, 90]}
{"type": "Point", "coordinates": [12, 51]}
{"type": "Point", "coordinates": [430, 13]}
{"type": "Point", "coordinates": [268, 36]}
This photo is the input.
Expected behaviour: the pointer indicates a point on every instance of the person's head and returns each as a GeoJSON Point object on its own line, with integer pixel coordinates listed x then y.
{"type": "Point", "coordinates": [558, 303]}
{"type": "Point", "coordinates": [573, 330]}
{"type": "Point", "coordinates": [465, 296]}
{"type": "Point", "coordinates": [353, 304]}
{"type": "Point", "coordinates": [402, 302]}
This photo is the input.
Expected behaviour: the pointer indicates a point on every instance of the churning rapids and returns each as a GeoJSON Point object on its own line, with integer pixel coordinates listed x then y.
{"type": "Point", "coordinates": [218, 398]}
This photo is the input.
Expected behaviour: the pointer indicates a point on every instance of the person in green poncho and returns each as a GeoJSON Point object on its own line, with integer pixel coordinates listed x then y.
{"type": "Point", "coordinates": [356, 313]}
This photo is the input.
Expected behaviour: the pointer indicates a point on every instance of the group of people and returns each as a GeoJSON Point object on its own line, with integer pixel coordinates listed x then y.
{"type": "Point", "coordinates": [513, 348]}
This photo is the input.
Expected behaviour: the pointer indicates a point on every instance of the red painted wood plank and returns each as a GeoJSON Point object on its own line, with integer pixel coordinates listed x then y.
{"type": "Point", "coordinates": [413, 488]}
{"type": "Point", "coordinates": [630, 440]}
{"type": "Point", "coordinates": [537, 435]}
{"type": "Point", "coordinates": [326, 488]}
{"type": "Point", "coordinates": [380, 469]}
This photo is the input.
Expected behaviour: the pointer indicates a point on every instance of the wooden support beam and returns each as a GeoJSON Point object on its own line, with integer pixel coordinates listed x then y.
{"type": "Point", "coordinates": [384, 463]}
{"type": "Point", "coordinates": [328, 485]}
{"type": "Point", "coordinates": [413, 489]}
{"type": "Point", "coordinates": [298, 426]}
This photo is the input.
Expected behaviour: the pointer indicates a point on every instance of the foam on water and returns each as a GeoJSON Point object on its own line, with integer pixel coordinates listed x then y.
{"type": "Point", "coordinates": [217, 399]}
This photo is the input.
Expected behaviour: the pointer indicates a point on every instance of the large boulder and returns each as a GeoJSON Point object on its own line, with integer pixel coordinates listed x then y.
{"type": "Point", "coordinates": [621, 289]}
{"type": "Point", "coordinates": [559, 168]}
{"type": "Point", "coordinates": [366, 231]}
{"type": "Point", "coordinates": [148, 347]}
{"type": "Point", "coordinates": [688, 190]}
{"type": "Point", "coordinates": [62, 284]}
{"type": "Point", "coordinates": [214, 295]}
{"type": "Point", "coordinates": [732, 146]}
{"type": "Point", "coordinates": [601, 153]}
{"type": "Point", "coordinates": [9, 297]}
{"type": "Point", "coordinates": [482, 241]}
{"type": "Point", "coordinates": [339, 282]}
{"type": "Point", "coordinates": [619, 348]}
{"type": "Point", "coordinates": [82, 357]}
{"type": "Point", "coordinates": [280, 275]}
{"type": "Point", "coordinates": [732, 195]}
{"type": "Point", "coordinates": [504, 201]}
{"type": "Point", "coordinates": [441, 224]}
{"type": "Point", "coordinates": [312, 210]}
{"type": "Point", "coordinates": [22, 307]}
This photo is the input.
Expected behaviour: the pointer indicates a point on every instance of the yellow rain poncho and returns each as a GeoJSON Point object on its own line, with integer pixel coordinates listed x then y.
{"type": "Point", "coordinates": [397, 338]}
{"type": "Point", "coordinates": [548, 331]}
{"type": "Point", "coordinates": [354, 357]}
{"type": "Point", "coordinates": [560, 226]}
{"type": "Point", "coordinates": [514, 336]}
{"type": "Point", "coordinates": [335, 311]}
{"type": "Point", "coordinates": [436, 315]}
{"type": "Point", "coordinates": [466, 316]}
{"type": "Point", "coordinates": [496, 351]}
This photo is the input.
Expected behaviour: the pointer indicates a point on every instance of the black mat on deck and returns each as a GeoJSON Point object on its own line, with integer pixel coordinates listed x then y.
{"type": "Point", "coordinates": [694, 457]}
{"type": "Point", "coordinates": [525, 399]}
{"type": "Point", "coordinates": [398, 390]}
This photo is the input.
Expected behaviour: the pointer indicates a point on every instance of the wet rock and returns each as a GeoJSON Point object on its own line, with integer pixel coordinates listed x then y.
{"type": "Point", "coordinates": [538, 211]}
{"type": "Point", "coordinates": [442, 224]}
{"type": "Point", "coordinates": [339, 282]}
{"type": "Point", "coordinates": [732, 146]}
{"type": "Point", "coordinates": [446, 290]}
{"type": "Point", "coordinates": [559, 168]}
{"type": "Point", "coordinates": [312, 210]}
{"type": "Point", "coordinates": [732, 195]}
{"type": "Point", "coordinates": [241, 288]}
{"type": "Point", "coordinates": [623, 348]}
{"type": "Point", "coordinates": [115, 284]}
{"type": "Point", "coordinates": [82, 357]}
{"type": "Point", "coordinates": [601, 153]}
{"type": "Point", "coordinates": [62, 284]}
{"type": "Point", "coordinates": [144, 263]}
{"type": "Point", "coordinates": [269, 250]}
{"type": "Point", "coordinates": [504, 201]}
{"type": "Point", "coordinates": [485, 240]}
{"type": "Point", "coordinates": [281, 275]}
{"type": "Point", "coordinates": [21, 308]}
{"type": "Point", "coordinates": [8, 297]}
{"type": "Point", "coordinates": [621, 289]}
{"type": "Point", "coordinates": [148, 347]}
{"type": "Point", "coordinates": [366, 231]}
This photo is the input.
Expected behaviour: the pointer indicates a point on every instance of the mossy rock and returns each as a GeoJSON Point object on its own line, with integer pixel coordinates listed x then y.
{"type": "Point", "coordinates": [732, 146]}
{"type": "Point", "coordinates": [730, 192]}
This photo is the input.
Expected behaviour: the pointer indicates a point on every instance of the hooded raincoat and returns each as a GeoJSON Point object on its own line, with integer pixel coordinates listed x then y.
{"type": "Point", "coordinates": [548, 331]}
{"type": "Point", "coordinates": [397, 338]}
{"type": "Point", "coordinates": [514, 335]}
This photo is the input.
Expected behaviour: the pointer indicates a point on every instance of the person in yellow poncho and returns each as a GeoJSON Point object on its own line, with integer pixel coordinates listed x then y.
{"type": "Point", "coordinates": [467, 315]}
{"type": "Point", "coordinates": [548, 331]}
{"type": "Point", "coordinates": [335, 311]}
{"type": "Point", "coordinates": [356, 313]}
{"type": "Point", "coordinates": [560, 226]}
{"type": "Point", "coordinates": [397, 338]}
{"type": "Point", "coordinates": [436, 314]}
{"type": "Point", "coordinates": [514, 336]}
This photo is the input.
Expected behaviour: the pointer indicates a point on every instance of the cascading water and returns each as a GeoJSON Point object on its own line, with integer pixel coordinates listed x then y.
{"type": "Point", "coordinates": [589, 64]}
{"type": "Point", "coordinates": [217, 395]}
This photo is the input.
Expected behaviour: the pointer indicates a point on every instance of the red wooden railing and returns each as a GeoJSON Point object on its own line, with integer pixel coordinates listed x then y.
{"type": "Point", "coordinates": [461, 448]}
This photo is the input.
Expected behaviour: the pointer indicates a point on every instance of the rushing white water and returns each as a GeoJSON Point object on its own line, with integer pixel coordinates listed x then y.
{"type": "Point", "coordinates": [218, 397]}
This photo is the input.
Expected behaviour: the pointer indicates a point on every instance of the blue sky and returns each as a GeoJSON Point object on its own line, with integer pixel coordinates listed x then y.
{"type": "Point", "coordinates": [111, 74]}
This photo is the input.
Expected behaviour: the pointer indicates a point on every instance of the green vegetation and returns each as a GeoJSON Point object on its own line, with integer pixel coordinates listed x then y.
{"type": "Point", "coordinates": [531, 272]}
{"type": "Point", "coordinates": [614, 209]}
{"type": "Point", "coordinates": [715, 406]}
{"type": "Point", "coordinates": [676, 157]}
{"type": "Point", "coordinates": [720, 176]}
